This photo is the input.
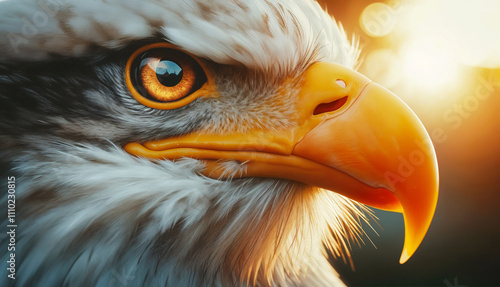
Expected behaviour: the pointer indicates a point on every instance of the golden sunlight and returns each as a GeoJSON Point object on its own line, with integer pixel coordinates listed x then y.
{"type": "Point", "coordinates": [428, 51]}
{"type": "Point", "coordinates": [468, 31]}
{"type": "Point", "coordinates": [427, 66]}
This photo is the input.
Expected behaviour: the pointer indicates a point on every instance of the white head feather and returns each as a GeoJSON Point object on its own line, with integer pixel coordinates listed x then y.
{"type": "Point", "coordinates": [259, 34]}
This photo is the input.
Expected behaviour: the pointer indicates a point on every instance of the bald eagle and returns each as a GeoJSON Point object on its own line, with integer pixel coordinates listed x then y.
{"type": "Point", "coordinates": [195, 143]}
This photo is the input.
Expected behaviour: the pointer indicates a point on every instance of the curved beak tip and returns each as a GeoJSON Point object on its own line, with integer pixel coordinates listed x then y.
{"type": "Point", "coordinates": [380, 141]}
{"type": "Point", "coordinates": [404, 256]}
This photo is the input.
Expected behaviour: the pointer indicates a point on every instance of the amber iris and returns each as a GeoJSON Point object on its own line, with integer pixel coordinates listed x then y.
{"type": "Point", "coordinates": [166, 75]}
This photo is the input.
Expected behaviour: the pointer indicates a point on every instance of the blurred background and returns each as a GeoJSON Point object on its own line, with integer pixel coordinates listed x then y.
{"type": "Point", "coordinates": [442, 57]}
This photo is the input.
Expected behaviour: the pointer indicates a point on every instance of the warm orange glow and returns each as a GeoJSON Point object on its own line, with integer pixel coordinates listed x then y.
{"type": "Point", "coordinates": [426, 50]}
{"type": "Point", "coordinates": [442, 57]}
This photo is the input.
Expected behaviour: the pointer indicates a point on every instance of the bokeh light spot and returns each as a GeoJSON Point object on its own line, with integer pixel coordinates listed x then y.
{"type": "Point", "coordinates": [378, 19]}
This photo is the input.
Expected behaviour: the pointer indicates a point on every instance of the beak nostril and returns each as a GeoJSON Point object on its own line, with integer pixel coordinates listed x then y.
{"type": "Point", "coordinates": [330, 107]}
{"type": "Point", "coordinates": [341, 83]}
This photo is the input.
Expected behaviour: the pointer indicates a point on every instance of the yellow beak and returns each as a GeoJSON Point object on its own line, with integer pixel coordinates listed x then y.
{"type": "Point", "coordinates": [352, 137]}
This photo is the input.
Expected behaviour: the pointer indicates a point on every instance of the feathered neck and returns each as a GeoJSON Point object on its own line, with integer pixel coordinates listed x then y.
{"type": "Point", "coordinates": [94, 214]}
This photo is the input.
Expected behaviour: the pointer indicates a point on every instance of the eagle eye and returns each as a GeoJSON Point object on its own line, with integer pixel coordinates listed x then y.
{"type": "Point", "coordinates": [163, 77]}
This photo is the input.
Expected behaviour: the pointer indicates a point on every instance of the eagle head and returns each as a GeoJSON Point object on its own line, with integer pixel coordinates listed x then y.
{"type": "Point", "coordinates": [197, 143]}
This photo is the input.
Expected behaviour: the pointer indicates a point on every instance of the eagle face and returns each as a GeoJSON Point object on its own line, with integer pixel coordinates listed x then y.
{"type": "Point", "coordinates": [185, 143]}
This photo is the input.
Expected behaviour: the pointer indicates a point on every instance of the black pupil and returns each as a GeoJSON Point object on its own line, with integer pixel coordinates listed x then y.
{"type": "Point", "coordinates": [169, 73]}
